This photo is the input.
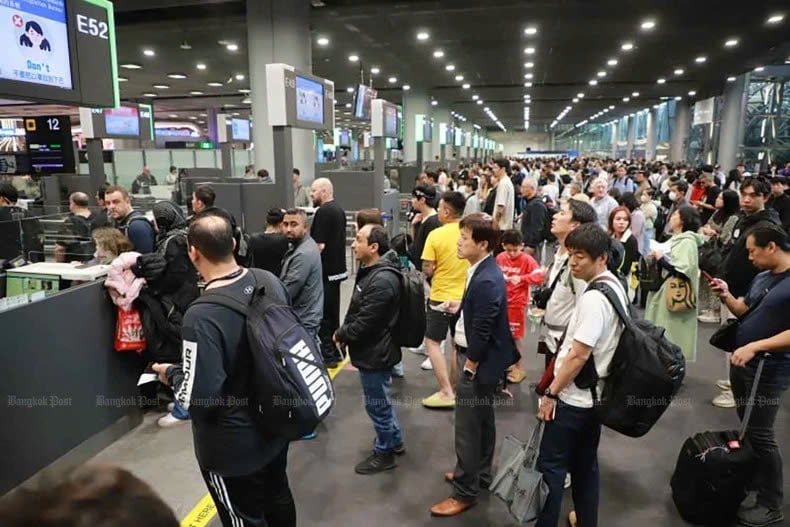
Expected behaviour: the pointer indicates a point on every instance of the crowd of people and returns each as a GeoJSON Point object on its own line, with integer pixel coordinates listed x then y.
{"type": "Point", "coordinates": [493, 241]}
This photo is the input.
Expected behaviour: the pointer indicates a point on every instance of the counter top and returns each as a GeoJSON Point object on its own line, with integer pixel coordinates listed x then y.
{"type": "Point", "coordinates": [66, 271]}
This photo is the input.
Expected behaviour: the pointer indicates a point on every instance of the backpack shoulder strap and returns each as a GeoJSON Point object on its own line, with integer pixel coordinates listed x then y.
{"type": "Point", "coordinates": [606, 290]}
{"type": "Point", "coordinates": [222, 299]}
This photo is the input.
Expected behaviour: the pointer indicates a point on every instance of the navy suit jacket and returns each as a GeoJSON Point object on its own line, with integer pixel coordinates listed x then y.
{"type": "Point", "coordinates": [488, 337]}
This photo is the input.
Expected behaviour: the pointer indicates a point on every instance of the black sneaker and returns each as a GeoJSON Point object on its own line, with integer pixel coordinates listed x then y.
{"type": "Point", "coordinates": [376, 463]}
{"type": "Point", "coordinates": [399, 450]}
{"type": "Point", "coordinates": [759, 516]}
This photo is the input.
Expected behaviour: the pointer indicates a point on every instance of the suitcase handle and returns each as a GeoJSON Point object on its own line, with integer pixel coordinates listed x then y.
{"type": "Point", "coordinates": [750, 405]}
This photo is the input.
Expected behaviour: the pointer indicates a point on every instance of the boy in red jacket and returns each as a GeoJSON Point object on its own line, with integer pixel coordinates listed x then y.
{"type": "Point", "coordinates": [520, 270]}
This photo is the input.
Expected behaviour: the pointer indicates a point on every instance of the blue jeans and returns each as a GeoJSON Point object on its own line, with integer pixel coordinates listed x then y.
{"type": "Point", "coordinates": [179, 412]}
{"type": "Point", "coordinates": [774, 382]}
{"type": "Point", "coordinates": [570, 445]}
{"type": "Point", "coordinates": [377, 390]}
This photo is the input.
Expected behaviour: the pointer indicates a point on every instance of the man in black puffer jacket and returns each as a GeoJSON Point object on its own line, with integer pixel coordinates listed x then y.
{"type": "Point", "coordinates": [368, 332]}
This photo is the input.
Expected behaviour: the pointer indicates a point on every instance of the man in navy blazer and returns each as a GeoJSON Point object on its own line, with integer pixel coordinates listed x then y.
{"type": "Point", "coordinates": [485, 349]}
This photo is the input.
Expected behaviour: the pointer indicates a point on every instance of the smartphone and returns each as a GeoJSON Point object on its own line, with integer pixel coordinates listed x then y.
{"type": "Point", "coordinates": [707, 276]}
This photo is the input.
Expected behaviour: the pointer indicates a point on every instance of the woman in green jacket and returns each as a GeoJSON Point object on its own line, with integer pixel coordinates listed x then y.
{"type": "Point", "coordinates": [674, 306]}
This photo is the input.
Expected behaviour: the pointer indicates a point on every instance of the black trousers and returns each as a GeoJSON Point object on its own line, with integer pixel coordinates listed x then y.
{"type": "Point", "coordinates": [475, 435]}
{"type": "Point", "coordinates": [331, 320]}
{"type": "Point", "coordinates": [260, 499]}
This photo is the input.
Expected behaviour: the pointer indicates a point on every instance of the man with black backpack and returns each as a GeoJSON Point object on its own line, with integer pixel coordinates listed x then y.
{"type": "Point", "coordinates": [533, 216]}
{"type": "Point", "coordinates": [131, 222]}
{"type": "Point", "coordinates": [244, 468]}
{"type": "Point", "coordinates": [368, 331]}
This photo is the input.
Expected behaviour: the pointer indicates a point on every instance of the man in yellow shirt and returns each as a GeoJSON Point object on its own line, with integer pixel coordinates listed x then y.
{"type": "Point", "coordinates": [447, 274]}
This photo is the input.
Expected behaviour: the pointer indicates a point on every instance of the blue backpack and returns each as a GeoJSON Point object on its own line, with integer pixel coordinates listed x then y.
{"type": "Point", "coordinates": [291, 388]}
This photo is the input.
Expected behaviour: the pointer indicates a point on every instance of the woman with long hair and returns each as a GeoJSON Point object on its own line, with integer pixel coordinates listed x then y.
{"type": "Point", "coordinates": [620, 229]}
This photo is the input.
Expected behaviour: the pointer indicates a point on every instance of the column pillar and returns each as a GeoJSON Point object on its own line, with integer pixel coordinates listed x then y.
{"type": "Point", "coordinates": [731, 129]}
{"type": "Point", "coordinates": [680, 132]}
{"type": "Point", "coordinates": [278, 31]}
{"type": "Point", "coordinates": [652, 123]}
{"type": "Point", "coordinates": [441, 114]}
{"type": "Point", "coordinates": [615, 137]}
{"type": "Point", "coordinates": [414, 102]}
{"type": "Point", "coordinates": [211, 119]}
{"type": "Point", "coordinates": [631, 136]}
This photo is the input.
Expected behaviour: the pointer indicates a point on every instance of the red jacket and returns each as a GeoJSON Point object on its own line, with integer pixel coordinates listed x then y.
{"type": "Point", "coordinates": [522, 266]}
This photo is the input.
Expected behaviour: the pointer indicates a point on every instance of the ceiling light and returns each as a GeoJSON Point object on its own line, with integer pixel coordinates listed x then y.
{"type": "Point", "coordinates": [700, 59]}
{"type": "Point", "coordinates": [406, 87]}
{"type": "Point", "coordinates": [239, 77]}
{"type": "Point", "coordinates": [775, 19]}
{"type": "Point", "coordinates": [528, 76]}
{"type": "Point", "coordinates": [612, 62]}
{"type": "Point", "coordinates": [434, 103]}
{"type": "Point", "coordinates": [661, 80]}
{"type": "Point", "coordinates": [215, 84]}
{"type": "Point", "coordinates": [692, 93]}
{"type": "Point", "coordinates": [731, 43]}
{"type": "Point", "coordinates": [678, 98]}
{"type": "Point", "coordinates": [244, 90]}
{"type": "Point", "coordinates": [322, 41]}
{"type": "Point", "coordinates": [200, 66]}
{"type": "Point", "coordinates": [466, 86]}
{"type": "Point", "coordinates": [177, 76]}
{"type": "Point", "coordinates": [479, 101]}
{"type": "Point", "coordinates": [575, 99]}
{"type": "Point", "coordinates": [131, 66]}
{"type": "Point", "coordinates": [196, 92]}
{"type": "Point", "coordinates": [423, 35]}
{"type": "Point", "coordinates": [353, 58]}
{"type": "Point", "coordinates": [438, 53]}
{"type": "Point", "coordinates": [679, 71]}
{"type": "Point", "coordinates": [529, 65]}
{"type": "Point", "coordinates": [122, 79]}
{"type": "Point", "coordinates": [626, 99]}
{"type": "Point", "coordinates": [392, 80]}
{"type": "Point", "coordinates": [759, 68]}
{"type": "Point", "coordinates": [611, 106]}
{"type": "Point", "coordinates": [173, 116]}
{"type": "Point", "coordinates": [580, 95]}
{"type": "Point", "coordinates": [232, 47]}
{"type": "Point", "coordinates": [374, 71]}
{"type": "Point", "coordinates": [459, 78]}
{"type": "Point", "coordinates": [635, 94]}
{"type": "Point", "coordinates": [648, 24]}
{"type": "Point", "coordinates": [149, 52]}
{"type": "Point", "coordinates": [348, 105]}
{"type": "Point", "coordinates": [531, 30]}
{"type": "Point", "coordinates": [149, 95]}
{"type": "Point", "coordinates": [528, 85]}
{"type": "Point", "coordinates": [627, 46]}
{"type": "Point", "coordinates": [593, 82]}
{"type": "Point", "coordinates": [475, 97]}
{"type": "Point", "coordinates": [450, 67]}
{"type": "Point", "coordinates": [601, 74]}
{"type": "Point", "coordinates": [730, 79]}
{"type": "Point", "coordinates": [350, 89]}
{"type": "Point", "coordinates": [529, 51]}
{"type": "Point", "coordinates": [161, 86]}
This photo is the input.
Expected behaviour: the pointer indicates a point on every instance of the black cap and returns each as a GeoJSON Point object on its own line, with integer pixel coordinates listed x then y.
{"type": "Point", "coordinates": [707, 169]}
{"type": "Point", "coordinates": [424, 191]}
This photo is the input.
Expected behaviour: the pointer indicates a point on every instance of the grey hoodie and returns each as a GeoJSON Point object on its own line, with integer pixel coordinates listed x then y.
{"type": "Point", "coordinates": [301, 275]}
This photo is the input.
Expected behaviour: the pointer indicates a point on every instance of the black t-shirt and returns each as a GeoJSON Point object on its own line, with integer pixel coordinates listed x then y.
{"type": "Point", "coordinates": [771, 293]}
{"type": "Point", "coordinates": [268, 250]}
{"type": "Point", "coordinates": [710, 198]}
{"type": "Point", "coordinates": [329, 228]}
{"type": "Point", "coordinates": [420, 235]}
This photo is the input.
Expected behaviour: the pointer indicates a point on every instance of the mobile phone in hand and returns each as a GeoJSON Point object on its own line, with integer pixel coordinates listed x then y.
{"type": "Point", "coordinates": [708, 277]}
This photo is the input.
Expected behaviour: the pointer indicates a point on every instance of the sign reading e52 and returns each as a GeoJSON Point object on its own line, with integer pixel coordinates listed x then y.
{"type": "Point", "coordinates": [91, 26]}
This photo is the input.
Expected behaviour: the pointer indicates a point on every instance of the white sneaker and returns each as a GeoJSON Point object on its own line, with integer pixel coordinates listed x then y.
{"type": "Point", "coordinates": [170, 421]}
{"type": "Point", "coordinates": [170, 406]}
{"type": "Point", "coordinates": [708, 317]}
{"type": "Point", "coordinates": [426, 364]}
{"type": "Point", "coordinates": [723, 385]}
{"type": "Point", "coordinates": [567, 481]}
{"type": "Point", "coordinates": [725, 399]}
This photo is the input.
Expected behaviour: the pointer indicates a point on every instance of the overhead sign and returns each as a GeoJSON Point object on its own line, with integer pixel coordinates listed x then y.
{"type": "Point", "coordinates": [49, 146]}
{"type": "Point", "coordinates": [384, 119]}
{"type": "Point", "coordinates": [299, 100]}
{"type": "Point", "coordinates": [703, 111]}
{"type": "Point", "coordinates": [60, 51]}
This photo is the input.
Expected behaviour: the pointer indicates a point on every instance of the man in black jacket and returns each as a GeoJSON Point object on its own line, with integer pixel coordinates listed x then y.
{"type": "Point", "coordinates": [367, 331]}
{"type": "Point", "coordinates": [738, 270]}
{"type": "Point", "coordinates": [780, 200]}
{"type": "Point", "coordinates": [533, 216]}
{"type": "Point", "coordinates": [423, 201]}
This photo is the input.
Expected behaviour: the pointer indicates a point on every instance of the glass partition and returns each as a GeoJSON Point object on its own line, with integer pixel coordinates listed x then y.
{"type": "Point", "coordinates": [128, 165]}
{"type": "Point", "coordinates": [206, 158]}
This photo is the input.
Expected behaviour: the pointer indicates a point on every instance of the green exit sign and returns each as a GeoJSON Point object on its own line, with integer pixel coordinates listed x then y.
{"type": "Point", "coordinates": [206, 145]}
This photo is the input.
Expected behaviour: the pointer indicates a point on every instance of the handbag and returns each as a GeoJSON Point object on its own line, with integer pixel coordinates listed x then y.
{"type": "Point", "coordinates": [711, 257]}
{"type": "Point", "coordinates": [129, 334]}
{"type": "Point", "coordinates": [518, 482]}
{"type": "Point", "coordinates": [679, 294]}
{"type": "Point", "coordinates": [542, 294]}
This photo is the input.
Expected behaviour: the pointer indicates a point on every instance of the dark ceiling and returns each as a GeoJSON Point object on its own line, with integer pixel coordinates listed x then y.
{"type": "Point", "coordinates": [485, 41]}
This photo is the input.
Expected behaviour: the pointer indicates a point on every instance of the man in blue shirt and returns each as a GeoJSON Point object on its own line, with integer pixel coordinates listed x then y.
{"type": "Point", "coordinates": [132, 223]}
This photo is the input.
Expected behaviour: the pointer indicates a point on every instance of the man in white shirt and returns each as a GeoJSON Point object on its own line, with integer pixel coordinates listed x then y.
{"type": "Point", "coordinates": [505, 196]}
{"type": "Point", "coordinates": [602, 202]}
{"type": "Point", "coordinates": [572, 429]}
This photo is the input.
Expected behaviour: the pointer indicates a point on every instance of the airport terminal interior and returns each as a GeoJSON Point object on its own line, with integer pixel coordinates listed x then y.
{"type": "Point", "coordinates": [152, 150]}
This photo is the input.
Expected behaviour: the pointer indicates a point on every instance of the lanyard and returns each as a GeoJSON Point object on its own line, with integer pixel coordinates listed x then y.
{"type": "Point", "coordinates": [229, 276]}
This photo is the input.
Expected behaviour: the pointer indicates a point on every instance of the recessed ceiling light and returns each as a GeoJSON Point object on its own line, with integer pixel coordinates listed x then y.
{"type": "Point", "coordinates": [528, 85]}
{"type": "Point", "coordinates": [700, 59]}
{"type": "Point", "coordinates": [661, 81]}
{"type": "Point", "coordinates": [466, 86]}
{"type": "Point", "coordinates": [173, 116]}
{"type": "Point", "coordinates": [244, 90]}
{"type": "Point", "coordinates": [730, 79]}
{"type": "Point", "coordinates": [177, 76]}
{"type": "Point", "coordinates": [679, 71]}
{"type": "Point", "coordinates": [434, 103]}
{"type": "Point", "coordinates": [731, 43]}
{"type": "Point", "coordinates": [648, 24]}
{"type": "Point", "coordinates": [438, 53]}
{"type": "Point", "coordinates": [200, 66]}
{"type": "Point", "coordinates": [529, 51]}
{"type": "Point", "coordinates": [479, 101]}
{"type": "Point", "coordinates": [775, 19]}
{"type": "Point", "coordinates": [149, 95]}
{"type": "Point", "coordinates": [692, 93]}
{"type": "Point", "coordinates": [348, 105]}
{"type": "Point", "coordinates": [759, 68]}
{"type": "Point", "coordinates": [459, 78]}
{"type": "Point", "coordinates": [529, 65]}
{"type": "Point", "coordinates": [350, 89]}
{"type": "Point", "coordinates": [528, 76]}
{"type": "Point", "coordinates": [611, 62]}
{"type": "Point", "coordinates": [203, 115]}
{"type": "Point", "coordinates": [236, 114]}
{"type": "Point", "coordinates": [423, 35]}
{"type": "Point", "coordinates": [196, 92]}
{"type": "Point", "coordinates": [131, 66]}
{"type": "Point", "coordinates": [475, 97]}
{"type": "Point", "coordinates": [626, 99]}
{"type": "Point", "coordinates": [678, 98]}
{"type": "Point", "coordinates": [406, 87]}
{"type": "Point", "coordinates": [593, 82]}
{"type": "Point", "coordinates": [611, 106]}
{"type": "Point", "coordinates": [627, 46]}
{"type": "Point", "coordinates": [575, 99]}
{"type": "Point", "coordinates": [239, 76]}
{"type": "Point", "coordinates": [580, 95]}
{"type": "Point", "coordinates": [215, 84]}
{"type": "Point", "coordinates": [122, 79]}
{"type": "Point", "coordinates": [601, 74]}
{"type": "Point", "coordinates": [232, 47]}
{"type": "Point", "coordinates": [635, 94]}
{"type": "Point", "coordinates": [161, 86]}
{"type": "Point", "coordinates": [353, 58]}
{"type": "Point", "coordinates": [149, 52]}
{"type": "Point", "coordinates": [392, 80]}
{"type": "Point", "coordinates": [322, 41]}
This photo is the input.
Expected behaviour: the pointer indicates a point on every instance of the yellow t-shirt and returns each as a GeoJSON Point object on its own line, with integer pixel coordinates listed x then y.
{"type": "Point", "coordinates": [449, 276]}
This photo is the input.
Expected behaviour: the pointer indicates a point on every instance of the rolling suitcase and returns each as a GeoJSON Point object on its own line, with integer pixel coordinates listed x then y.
{"type": "Point", "coordinates": [712, 471]}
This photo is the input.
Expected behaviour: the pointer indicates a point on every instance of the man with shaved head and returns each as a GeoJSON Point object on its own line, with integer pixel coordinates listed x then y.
{"type": "Point", "coordinates": [329, 232]}
{"type": "Point", "coordinates": [74, 241]}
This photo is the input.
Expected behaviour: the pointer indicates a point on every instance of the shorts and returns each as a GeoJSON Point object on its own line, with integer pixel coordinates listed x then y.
{"type": "Point", "coordinates": [515, 317]}
{"type": "Point", "coordinates": [437, 323]}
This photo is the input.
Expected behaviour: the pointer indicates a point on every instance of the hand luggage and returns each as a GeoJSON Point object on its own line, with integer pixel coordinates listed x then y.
{"type": "Point", "coordinates": [712, 471]}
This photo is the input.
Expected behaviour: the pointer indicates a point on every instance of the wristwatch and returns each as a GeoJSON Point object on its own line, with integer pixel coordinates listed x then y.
{"type": "Point", "coordinates": [548, 394]}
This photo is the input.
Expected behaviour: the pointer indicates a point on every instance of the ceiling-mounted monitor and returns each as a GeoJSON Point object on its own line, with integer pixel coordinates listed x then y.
{"type": "Point", "coordinates": [362, 99]}
{"type": "Point", "coordinates": [240, 129]}
{"type": "Point", "coordinates": [427, 130]}
{"type": "Point", "coordinates": [48, 142]}
{"type": "Point", "coordinates": [130, 121]}
{"type": "Point", "coordinates": [384, 119]}
{"type": "Point", "coordinates": [344, 138]}
{"type": "Point", "coordinates": [299, 100]}
{"type": "Point", "coordinates": [122, 122]}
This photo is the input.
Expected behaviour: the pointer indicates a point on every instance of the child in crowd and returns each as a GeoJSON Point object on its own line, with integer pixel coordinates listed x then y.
{"type": "Point", "coordinates": [520, 270]}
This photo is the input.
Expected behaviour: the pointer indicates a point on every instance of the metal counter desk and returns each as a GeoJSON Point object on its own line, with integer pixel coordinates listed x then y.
{"type": "Point", "coordinates": [65, 394]}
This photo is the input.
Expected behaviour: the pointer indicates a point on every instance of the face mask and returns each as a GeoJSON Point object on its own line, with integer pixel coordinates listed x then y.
{"type": "Point", "coordinates": [673, 196]}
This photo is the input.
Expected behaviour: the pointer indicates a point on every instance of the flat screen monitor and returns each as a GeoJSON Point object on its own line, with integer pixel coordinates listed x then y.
{"type": "Point", "coordinates": [240, 129]}
{"type": "Point", "coordinates": [345, 138]}
{"type": "Point", "coordinates": [34, 42]}
{"type": "Point", "coordinates": [123, 122]}
{"type": "Point", "coordinates": [49, 145]}
{"type": "Point", "coordinates": [427, 131]}
{"type": "Point", "coordinates": [391, 121]}
{"type": "Point", "coordinates": [309, 100]}
{"type": "Point", "coordinates": [364, 95]}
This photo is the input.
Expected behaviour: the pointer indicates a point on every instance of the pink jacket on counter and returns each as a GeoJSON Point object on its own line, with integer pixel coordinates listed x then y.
{"type": "Point", "coordinates": [123, 285]}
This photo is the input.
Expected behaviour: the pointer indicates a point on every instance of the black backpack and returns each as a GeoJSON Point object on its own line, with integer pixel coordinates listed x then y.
{"type": "Point", "coordinates": [291, 388]}
{"type": "Point", "coordinates": [649, 274]}
{"type": "Point", "coordinates": [409, 330]}
{"type": "Point", "coordinates": [645, 374]}
{"type": "Point", "coordinates": [551, 210]}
